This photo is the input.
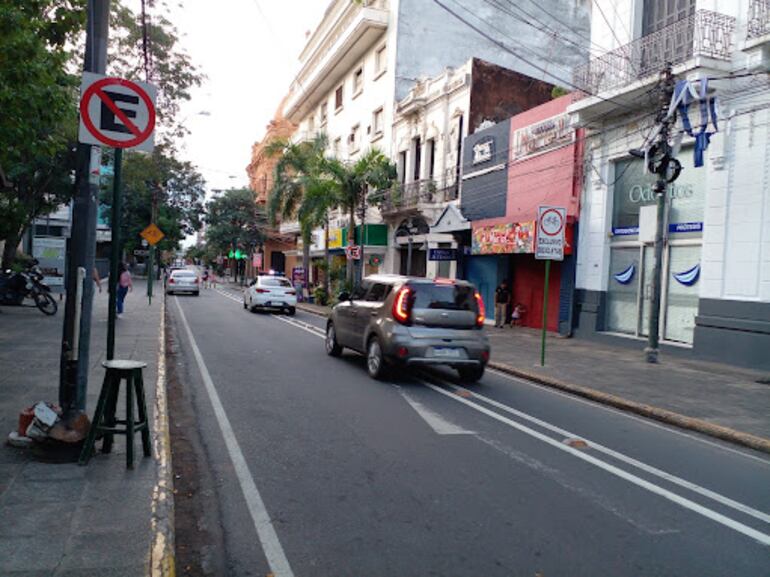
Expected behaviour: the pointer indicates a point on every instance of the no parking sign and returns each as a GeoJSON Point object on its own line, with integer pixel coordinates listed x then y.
{"type": "Point", "coordinates": [117, 113]}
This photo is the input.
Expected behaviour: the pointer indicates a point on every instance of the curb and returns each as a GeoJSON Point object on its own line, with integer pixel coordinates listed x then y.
{"type": "Point", "coordinates": [662, 415]}
{"type": "Point", "coordinates": [312, 311]}
{"type": "Point", "coordinates": [162, 561]}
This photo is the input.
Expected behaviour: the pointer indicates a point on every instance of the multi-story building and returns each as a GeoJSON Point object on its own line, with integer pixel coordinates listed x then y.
{"type": "Point", "coordinates": [716, 260]}
{"type": "Point", "coordinates": [365, 57]}
{"type": "Point", "coordinates": [430, 125]}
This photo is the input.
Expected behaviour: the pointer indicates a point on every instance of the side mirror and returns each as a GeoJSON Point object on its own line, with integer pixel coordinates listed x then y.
{"type": "Point", "coordinates": [343, 296]}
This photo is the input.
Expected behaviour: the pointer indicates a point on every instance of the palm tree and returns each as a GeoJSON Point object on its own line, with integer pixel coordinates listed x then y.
{"type": "Point", "coordinates": [302, 189]}
{"type": "Point", "coordinates": [373, 170]}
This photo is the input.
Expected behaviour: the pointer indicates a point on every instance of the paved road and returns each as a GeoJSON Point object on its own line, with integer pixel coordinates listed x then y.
{"type": "Point", "coordinates": [321, 471]}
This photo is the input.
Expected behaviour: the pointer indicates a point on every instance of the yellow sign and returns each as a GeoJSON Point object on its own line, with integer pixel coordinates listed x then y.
{"type": "Point", "coordinates": [335, 238]}
{"type": "Point", "coordinates": [152, 234]}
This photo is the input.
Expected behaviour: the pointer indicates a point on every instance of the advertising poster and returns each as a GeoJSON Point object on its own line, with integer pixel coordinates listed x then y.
{"type": "Point", "coordinates": [509, 238]}
{"type": "Point", "coordinates": [50, 253]}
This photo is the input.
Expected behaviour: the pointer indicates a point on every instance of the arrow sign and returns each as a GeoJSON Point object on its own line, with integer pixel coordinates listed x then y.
{"type": "Point", "coordinates": [116, 112]}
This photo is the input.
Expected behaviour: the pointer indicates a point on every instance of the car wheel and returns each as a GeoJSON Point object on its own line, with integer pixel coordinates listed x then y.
{"type": "Point", "coordinates": [376, 365]}
{"type": "Point", "coordinates": [245, 306]}
{"type": "Point", "coordinates": [333, 348]}
{"type": "Point", "coordinates": [471, 375]}
{"type": "Point", "coordinates": [197, 293]}
{"type": "Point", "coordinates": [291, 311]}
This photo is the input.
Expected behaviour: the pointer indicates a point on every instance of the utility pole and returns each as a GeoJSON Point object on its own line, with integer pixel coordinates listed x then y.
{"type": "Point", "coordinates": [661, 163]}
{"type": "Point", "coordinates": [76, 337]}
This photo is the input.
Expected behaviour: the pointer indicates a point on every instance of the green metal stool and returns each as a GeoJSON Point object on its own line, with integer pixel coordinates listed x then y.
{"type": "Point", "coordinates": [104, 420]}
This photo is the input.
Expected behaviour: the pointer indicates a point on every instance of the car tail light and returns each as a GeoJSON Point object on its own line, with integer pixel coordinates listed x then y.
{"type": "Point", "coordinates": [481, 314]}
{"type": "Point", "coordinates": [485, 356]}
{"type": "Point", "coordinates": [403, 352]}
{"type": "Point", "coordinates": [261, 291]}
{"type": "Point", "coordinates": [292, 293]}
{"type": "Point", "coordinates": [197, 280]}
{"type": "Point", "coordinates": [171, 280]}
{"type": "Point", "coordinates": [402, 305]}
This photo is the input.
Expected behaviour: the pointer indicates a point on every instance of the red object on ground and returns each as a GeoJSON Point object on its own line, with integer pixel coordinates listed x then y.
{"type": "Point", "coordinates": [25, 420]}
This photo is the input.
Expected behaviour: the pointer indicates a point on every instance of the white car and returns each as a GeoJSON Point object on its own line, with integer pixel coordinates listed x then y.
{"type": "Point", "coordinates": [270, 292]}
{"type": "Point", "coordinates": [183, 281]}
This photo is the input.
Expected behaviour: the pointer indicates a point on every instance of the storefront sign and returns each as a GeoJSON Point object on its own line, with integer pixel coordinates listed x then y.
{"type": "Point", "coordinates": [442, 254]}
{"type": "Point", "coordinates": [551, 224]}
{"type": "Point", "coordinates": [543, 136]}
{"type": "Point", "coordinates": [634, 189]}
{"type": "Point", "coordinates": [50, 253]}
{"type": "Point", "coordinates": [335, 238]}
{"type": "Point", "coordinates": [509, 238]}
{"type": "Point", "coordinates": [483, 151]}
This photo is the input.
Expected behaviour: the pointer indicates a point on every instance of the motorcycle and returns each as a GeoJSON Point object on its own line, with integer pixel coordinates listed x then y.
{"type": "Point", "coordinates": [17, 286]}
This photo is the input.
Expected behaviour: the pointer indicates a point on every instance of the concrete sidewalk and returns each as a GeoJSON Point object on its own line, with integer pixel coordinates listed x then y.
{"type": "Point", "coordinates": [62, 519]}
{"type": "Point", "coordinates": [719, 400]}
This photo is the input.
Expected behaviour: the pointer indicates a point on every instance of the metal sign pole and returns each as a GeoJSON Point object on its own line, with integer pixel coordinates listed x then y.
{"type": "Point", "coordinates": [150, 273]}
{"type": "Point", "coordinates": [545, 312]}
{"type": "Point", "coordinates": [114, 253]}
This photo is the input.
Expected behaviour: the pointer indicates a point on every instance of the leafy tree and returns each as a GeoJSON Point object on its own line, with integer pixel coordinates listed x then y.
{"type": "Point", "coordinates": [174, 187]}
{"type": "Point", "coordinates": [303, 188]}
{"type": "Point", "coordinates": [373, 170]}
{"type": "Point", "coordinates": [168, 67]}
{"type": "Point", "coordinates": [38, 102]}
{"type": "Point", "coordinates": [235, 221]}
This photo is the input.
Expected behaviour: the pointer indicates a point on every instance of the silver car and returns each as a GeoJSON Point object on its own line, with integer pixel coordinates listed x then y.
{"type": "Point", "coordinates": [399, 320]}
{"type": "Point", "coordinates": [183, 281]}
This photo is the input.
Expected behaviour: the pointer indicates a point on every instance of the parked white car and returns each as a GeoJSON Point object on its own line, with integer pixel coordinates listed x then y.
{"type": "Point", "coordinates": [183, 281]}
{"type": "Point", "coordinates": [270, 292]}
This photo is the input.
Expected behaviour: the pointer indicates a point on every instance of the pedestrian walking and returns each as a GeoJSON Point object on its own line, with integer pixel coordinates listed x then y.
{"type": "Point", "coordinates": [124, 285]}
{"type": "Point", "coordinates": [502, 297]}
{"type": "Point", "coordinates": [205, 278]}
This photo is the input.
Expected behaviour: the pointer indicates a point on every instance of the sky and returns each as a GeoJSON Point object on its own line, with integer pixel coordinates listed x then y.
{"type": "Point", "coordinates": [248, 50]}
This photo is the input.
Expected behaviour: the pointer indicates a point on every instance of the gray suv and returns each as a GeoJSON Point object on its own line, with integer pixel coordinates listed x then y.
{"type": "Point", "coordinates": [400, 320]}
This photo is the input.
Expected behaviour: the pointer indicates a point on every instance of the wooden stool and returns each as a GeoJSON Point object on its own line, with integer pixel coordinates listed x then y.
{"type": "Point", "coordinates": [104, 418]}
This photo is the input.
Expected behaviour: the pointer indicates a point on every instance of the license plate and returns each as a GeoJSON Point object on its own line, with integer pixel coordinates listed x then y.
{"type": "Point", "coordinates": [446, 352]}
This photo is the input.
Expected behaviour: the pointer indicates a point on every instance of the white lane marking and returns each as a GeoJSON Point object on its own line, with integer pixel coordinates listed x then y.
{"type": "Point", "coordinates": [435, 421]}
{"type": "Point", "coordinates": [626, 414]}
{"type": "Point", "coordinates": [648, 468]}
{"type": "Point", "coordinates": [276, 558]}
{"type": "Point", "coordinates": [758, 536]}
{"type": "Point", "coordinates": [620, 456]}
{"type": "Point", "coordinates": [314, 332]}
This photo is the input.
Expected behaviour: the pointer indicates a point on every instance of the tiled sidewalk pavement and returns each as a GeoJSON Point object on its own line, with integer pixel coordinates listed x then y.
{"type": "Point", "coordinates": [63, 520]}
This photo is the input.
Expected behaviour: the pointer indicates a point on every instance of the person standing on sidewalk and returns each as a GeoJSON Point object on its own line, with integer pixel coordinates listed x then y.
{"type": "Point", "coordinates": [502, 297]}
{"type": "Point", "coordinates": [124, 285]}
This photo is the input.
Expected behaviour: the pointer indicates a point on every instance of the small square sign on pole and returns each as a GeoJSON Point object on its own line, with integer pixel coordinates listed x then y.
{"type": "Point", "coordinates": [152, 234]}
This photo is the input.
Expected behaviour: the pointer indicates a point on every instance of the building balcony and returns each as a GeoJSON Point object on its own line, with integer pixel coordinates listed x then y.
{"type": "Point", "coordinates": [757, 44]}
{"type": "Point", "coordinates": [418, 196]}
{"type": "Point", "coordinates": [619, 77]}
{"type": "Point", "coordinates": [334, 52]}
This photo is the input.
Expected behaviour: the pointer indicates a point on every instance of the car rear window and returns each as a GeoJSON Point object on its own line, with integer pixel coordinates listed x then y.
{"type": "Point", "coordinates": [443, 296]}
{"type": "Point", "coordinates": [275, 282]}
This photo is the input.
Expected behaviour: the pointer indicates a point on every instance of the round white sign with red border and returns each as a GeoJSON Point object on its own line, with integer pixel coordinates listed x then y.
{"type": "Point", "coordinates": [116, 112]}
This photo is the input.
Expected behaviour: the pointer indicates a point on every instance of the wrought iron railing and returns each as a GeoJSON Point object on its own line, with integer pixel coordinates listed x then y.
{"type": "Point", "coordinates": [705, 33]}
{"type": "Point", "coordinates": [410, 195]}
{"type": "Point", "coordinates": [759, 19]}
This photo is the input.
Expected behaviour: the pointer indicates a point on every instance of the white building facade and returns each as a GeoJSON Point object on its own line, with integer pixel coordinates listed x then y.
{"type": "Point", "coordinates": [365, 57]}
{"type": "Point", "coordinates": [716, 260]}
